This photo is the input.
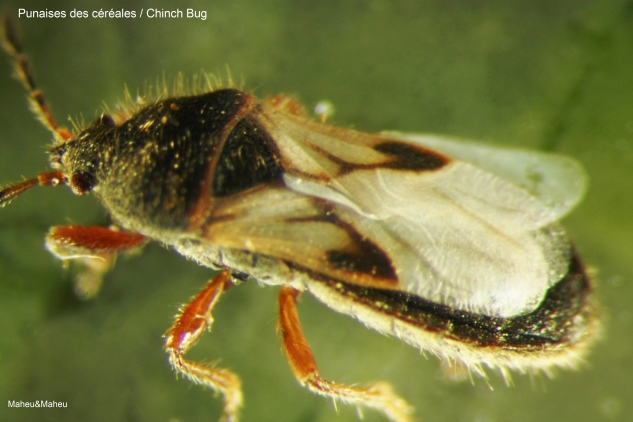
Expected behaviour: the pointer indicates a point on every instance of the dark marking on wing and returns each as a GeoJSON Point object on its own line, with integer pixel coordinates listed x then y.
{"type": "Point", "coordinates": [411, 157]}
{"type": "Point", "coordinates": [552, 324]}
{"type": "Point", "coordinates": [361, 255]}
{"type": "Point", "coordinates": [368, 259]}
{"type": "Point", "coordinates": [348, 149]}
{"type": "Point", "coordinates": [399, 156]}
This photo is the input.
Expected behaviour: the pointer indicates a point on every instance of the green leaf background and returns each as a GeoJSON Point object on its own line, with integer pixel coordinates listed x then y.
{"type": "Point", "coordinates": [550, 75]}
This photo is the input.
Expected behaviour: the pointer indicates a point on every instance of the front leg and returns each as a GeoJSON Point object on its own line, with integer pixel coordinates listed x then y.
{"type": "Point", "coordinates": [379, 396]}
{"type": "Point", "coordinates": [94, 249]}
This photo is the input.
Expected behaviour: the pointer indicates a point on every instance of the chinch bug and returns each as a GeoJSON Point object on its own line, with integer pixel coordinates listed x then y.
{"type": "Point", "coordinates": [451, 246]}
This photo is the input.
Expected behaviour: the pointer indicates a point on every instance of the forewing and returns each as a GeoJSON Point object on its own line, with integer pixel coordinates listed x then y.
{"type": "Point", "coordinates": [457, 232]}
{"type": "Point", "coordinates": [559, 181]}
{"type": "Point", "coordinates": [302, 231]}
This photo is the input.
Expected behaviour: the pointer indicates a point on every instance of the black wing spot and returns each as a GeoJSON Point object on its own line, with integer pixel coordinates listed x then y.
{"type": "Point", "coordinates": [362, 256]}
{"type": "Point", "coordinates": [370, 261]}
{"type": "Point", "coordinates": [411, 157]}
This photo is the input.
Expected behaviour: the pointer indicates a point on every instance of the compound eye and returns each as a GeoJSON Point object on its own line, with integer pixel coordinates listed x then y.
{"type": "Point", "coordinates": [81, 183]}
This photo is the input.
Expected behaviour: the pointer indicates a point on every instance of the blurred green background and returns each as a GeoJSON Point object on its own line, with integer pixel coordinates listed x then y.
{"type": "Point", "coordinates": [551, 75]}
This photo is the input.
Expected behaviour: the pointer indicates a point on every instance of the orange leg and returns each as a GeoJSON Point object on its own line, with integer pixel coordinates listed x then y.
{"type": "Point", "coordinates": [94, 248]}
{"type": "Point", "coordinates": [186, 332]}
{"type": "Point", "coordinates": [378, 396]}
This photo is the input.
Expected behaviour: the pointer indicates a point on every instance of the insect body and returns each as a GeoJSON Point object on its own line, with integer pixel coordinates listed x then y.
{"type": "Point", "coordinates": [451, 246]}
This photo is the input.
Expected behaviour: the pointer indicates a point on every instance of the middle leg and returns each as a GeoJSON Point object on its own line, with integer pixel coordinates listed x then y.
{"type": "Point", "coordinates": [194, 319]}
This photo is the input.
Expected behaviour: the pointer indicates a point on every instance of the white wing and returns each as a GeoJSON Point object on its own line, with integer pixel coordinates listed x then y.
{"type": "Point", "coordinates": [557, 180]}
{"type": "Point", "coordinates": [477, 232]}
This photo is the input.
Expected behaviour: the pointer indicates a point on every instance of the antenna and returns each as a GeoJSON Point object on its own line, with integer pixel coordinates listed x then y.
{"type": "Point", "coordinates": [53, 178]}
{"type": "Point", "coordinates": [24, 71]}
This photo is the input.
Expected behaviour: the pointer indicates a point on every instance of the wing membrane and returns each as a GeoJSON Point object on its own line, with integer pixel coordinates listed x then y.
{"type": "Point", "coordinates": [458, 230]}
{"type": "Point", "coordinates": [559, 181]}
